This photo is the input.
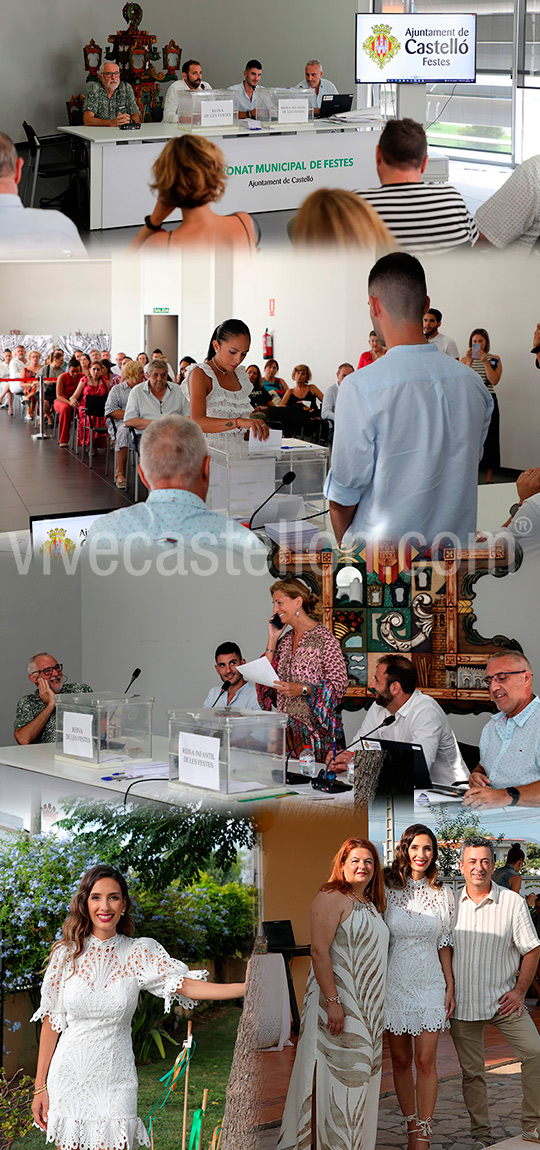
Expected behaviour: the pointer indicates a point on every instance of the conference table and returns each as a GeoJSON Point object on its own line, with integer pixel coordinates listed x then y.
{"type": "Point", "coordinates": [271, 169]}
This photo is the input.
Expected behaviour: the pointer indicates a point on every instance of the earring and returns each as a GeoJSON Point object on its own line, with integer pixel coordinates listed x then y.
{"type": "Point", "coordinates": [297, 614]}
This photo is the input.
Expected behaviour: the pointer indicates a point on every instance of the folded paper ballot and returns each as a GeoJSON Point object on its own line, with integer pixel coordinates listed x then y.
{"type": "Point", "coordinates": [260, 671]}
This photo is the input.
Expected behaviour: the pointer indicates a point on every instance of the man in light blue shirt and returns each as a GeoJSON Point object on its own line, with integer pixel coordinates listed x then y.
{"type": "Point", "coordinates": [30, 232]}
{"type": "Point", "coordinates": [246, 91]}
{"type": "Point", "coordinates": [318, 84]}
{"type": "Point", "coordinates": [409, 428]}
{"type": "Point", "coordinates": [175, 466]}
{"type": "Point", "coordinates": [234, 691]}
{"type": "Point", "coordinates": [154, 397]}
{"type": "Point", "coordinates": [509, 770]}
{"type": "Point", "coordinates": [328, 410]}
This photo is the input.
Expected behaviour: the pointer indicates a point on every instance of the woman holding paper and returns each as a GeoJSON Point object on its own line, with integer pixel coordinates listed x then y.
{"type": "Point", "coordinates": [86, 1083]}
{"type": "Point", "coordinates": [218, 389]}
{"type": "Point", "coordinates": [311, 670]}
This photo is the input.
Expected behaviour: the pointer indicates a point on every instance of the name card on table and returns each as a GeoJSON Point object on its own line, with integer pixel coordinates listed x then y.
{"type": "Point", "coordinates": [77, 735]}
{"type": "Point", "coordinates": [217, 112]}
{"type": "Point", "coordinates": [294, 111]}
{"type": "Point", "coordinates": [198, 760]}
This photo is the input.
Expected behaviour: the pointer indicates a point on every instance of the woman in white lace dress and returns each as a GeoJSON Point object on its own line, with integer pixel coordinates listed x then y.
{"type": "Point", "coordinates": [218, 389]}
{"type": "Point", "coordinates": [86, 1083]}
{"type": "Point", "coordinates": [420, 985]}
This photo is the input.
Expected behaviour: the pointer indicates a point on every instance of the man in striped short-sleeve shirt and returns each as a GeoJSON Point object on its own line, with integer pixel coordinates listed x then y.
{"type": "Point", "coordinates": [422, 217]}
{"type": "Point", "coordinates": [493, 932]}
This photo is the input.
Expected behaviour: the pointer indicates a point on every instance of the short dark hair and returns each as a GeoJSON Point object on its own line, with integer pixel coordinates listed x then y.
{"type": "Point", "coordinates": [342, 365]}
{"type": "Point", "coordinates": [228, 649]}
{"type": "Point", "coordinates": [515, 854]}
{"type": "Point", "coordinates": [434, 311]}
{"type": "Point", "coordinates": [157, 351]}
{"type": "Point", "coordinates": [399, 280]}
{"type": "Point", "coordinates": [403, 144]}
{"type": "Point", "coordinates": [400, 670]}
{"type": "Point", "coordinates": [189, 64]}
{"type": "Point", "coordinates": [253, 64]}
{"type": "Point", "coordinates": [74, 362]}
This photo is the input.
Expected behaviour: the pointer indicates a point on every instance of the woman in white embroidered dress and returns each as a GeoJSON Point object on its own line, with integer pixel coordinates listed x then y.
{"type": "Point", "coordinates": [86, 1083]}
{"type": "Point", "coordinates": [420, 985]}
{"type": "Point", "coordinates": [218, 389]}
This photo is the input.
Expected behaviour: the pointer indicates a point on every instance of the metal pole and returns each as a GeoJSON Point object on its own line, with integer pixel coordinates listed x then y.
{"type": "Point", "coordinates": [41, 434]}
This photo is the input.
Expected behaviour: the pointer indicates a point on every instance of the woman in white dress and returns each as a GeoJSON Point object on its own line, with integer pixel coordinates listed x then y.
{"type": "Point", "coordinates": [334, 1089]}
{"type": "Point", "coordinates": [420, 985]}
{"type": "Point", "coordinates": [218, 389]}
{"type": "Point", "coordinates": [86, 1083]}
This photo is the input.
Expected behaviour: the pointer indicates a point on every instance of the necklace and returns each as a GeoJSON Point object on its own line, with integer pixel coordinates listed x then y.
{"type": "Point", "coordinates": [222, 371]}
{"type": "Point", "coordinates": [362, 901]}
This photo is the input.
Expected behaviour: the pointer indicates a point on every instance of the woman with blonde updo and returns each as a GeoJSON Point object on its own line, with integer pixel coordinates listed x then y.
{"type": "Point", "coordinates": [190, 174]}
{"type": "Point", "coordinates": [312, 671]}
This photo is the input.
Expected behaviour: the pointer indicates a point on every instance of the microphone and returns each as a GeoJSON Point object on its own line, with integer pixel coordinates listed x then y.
{"type": "Point", "coordinates": [288, 478]}
{"type": "Point", "coordinates": [134, 676]}
{"type": "Point", "coordinates": [385, 723]}
{"type": "Point", "coordinates": [225, 687]}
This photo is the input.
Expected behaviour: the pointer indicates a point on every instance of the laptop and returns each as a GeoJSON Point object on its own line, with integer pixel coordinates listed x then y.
{"type": "Point", "coordinates": [333, 105]}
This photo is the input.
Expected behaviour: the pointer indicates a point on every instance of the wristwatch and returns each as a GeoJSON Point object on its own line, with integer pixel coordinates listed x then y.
{"type": "Point", "coordinates": [306, 691]}
{"type": "Point", "coordinates": [515, 795]}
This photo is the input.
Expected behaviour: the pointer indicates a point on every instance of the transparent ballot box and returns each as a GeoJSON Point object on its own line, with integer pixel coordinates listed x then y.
{"type": "Point", "coordinates": [229, 752]}
{"type": "Point", "coordinates": [216, 108]}
{"type": "Point", "coordinates": [285, 105]}
{"type": "Point", "coordinates": [105, 728]}
{"type": "Point", "coordinates": [240, 481]}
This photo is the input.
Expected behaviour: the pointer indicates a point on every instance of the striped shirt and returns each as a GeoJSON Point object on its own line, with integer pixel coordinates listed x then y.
{"type": "Point", "coordinates": [423, 217]}
{"type": "Point", "coordinates": [489, 940]}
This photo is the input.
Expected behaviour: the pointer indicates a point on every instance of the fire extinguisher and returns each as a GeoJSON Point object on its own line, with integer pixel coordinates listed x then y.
{"type": "Point", "coordinates": [268, 345]}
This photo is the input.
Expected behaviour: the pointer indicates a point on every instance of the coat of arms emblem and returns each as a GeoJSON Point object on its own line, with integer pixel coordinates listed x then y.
{"type": "Point", "coordinates": [381, 45]}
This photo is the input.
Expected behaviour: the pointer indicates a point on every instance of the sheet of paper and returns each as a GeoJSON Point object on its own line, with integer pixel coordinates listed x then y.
{"type": "Point", "coordinates": [260, 671]}
{"type": "Point", "coordinates": [263, 446]}
{"type": "Point", "coordinates": [77, 735]}
{"type": "Point", "coordinates": [198, 760]}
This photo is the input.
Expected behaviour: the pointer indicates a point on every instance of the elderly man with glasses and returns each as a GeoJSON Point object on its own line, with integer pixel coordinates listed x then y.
{"type": "Point", "coordinates": [35, 721]}
{"type": "Point", "coordinates": [111, 103]}
{"type": "Point", "coordinates": [509, 770]}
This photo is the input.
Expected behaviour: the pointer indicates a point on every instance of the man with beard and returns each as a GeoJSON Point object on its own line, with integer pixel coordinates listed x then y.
{"type": "Point", "coordinates": [111, 103]}
{"type": "Point", "coordinates": [234, 691]}
{"type": "Point", "coordinates": [418, 719]}
{"type": "Point", "coordinates": [35, 721]}
{"type": "Point", "coordinates": [191, 81]}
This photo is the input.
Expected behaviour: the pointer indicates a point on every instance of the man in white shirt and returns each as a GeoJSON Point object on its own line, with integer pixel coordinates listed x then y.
{"type": "Point", "coordinates": [191, 81]}
{"type": "Point", "coordinates": [492, 935]}
{"type": "Point", "coordinates": [34, 232]}
{"type": "Point", "coordinates": [318, 84]}
{"type": "Point", "coordinates": [234, 691]}
{"type": "Point", "coordinates": [418, 719]}
{"type": "Point", "coordinates": [328, 410]}
{"type": "Point", "coordinates": [247, 89]}
{"type": "Point", "coordinates": [155, 397]}
{"type": "Point", "coordinates": [432, 323]}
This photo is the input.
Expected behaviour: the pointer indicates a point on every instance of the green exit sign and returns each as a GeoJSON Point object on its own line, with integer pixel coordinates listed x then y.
{"type": "Point", "coordinates": [160, 311]}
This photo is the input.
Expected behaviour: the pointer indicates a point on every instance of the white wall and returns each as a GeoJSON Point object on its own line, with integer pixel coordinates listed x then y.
{"type": "Point", "coordinates": [51, 298]}
{"type": "Point", "coordinates": [38, 614]}
{"type": "Point", "coordinates": [48, 39]}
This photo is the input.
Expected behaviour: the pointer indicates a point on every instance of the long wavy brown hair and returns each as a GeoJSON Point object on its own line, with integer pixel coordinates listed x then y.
{"type": "Point", "coordinates": [397, 874]}
{"type": "Point", "coordinates": [375, 888]}
{"type": "Point", "coordinates": [78, 925]}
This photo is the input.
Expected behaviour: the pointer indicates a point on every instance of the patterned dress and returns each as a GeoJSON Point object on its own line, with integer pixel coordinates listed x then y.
{"type": "Point", "coordinates": [224, 404]}
{"type": "Point", "coordinates": [340, 1075]}
{"type": "Point", "coordinates": [92, 1081]}
{"type": "Point", "coordinates": [420, 919]}
{"type": "Point", "coordinates": [318, 661]}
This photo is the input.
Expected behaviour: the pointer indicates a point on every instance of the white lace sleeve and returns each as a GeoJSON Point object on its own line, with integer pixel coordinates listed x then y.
{"type": "Point", "coordinates": [52, 992]}
{"type": "Point", "coordinates": [448, 915]}
{"type": "Point", "coordinates": [162, 975]}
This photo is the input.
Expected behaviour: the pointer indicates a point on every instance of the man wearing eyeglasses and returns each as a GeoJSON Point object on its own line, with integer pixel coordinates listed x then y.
{"type": "Point", "coordinates": [508, 774]}
{"type": "Point", "coordinates": [35, 721]}
{"type": "Point", "coordinates": [110, 103]}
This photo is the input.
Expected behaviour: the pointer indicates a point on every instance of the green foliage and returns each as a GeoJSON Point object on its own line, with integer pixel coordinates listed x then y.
{"type": "Point", "coordinates": [451, 827]}
{"type": "Point", "coordinates": [15, 1101]}
{"type": "Point", "coordinates": [148, 1031]}
{"type": "Point", "coordinates": [532, 860]}
{"type": "Point", "coordinates": [204, 920]}
{"type": "Point", "coordinates": [162, 844]}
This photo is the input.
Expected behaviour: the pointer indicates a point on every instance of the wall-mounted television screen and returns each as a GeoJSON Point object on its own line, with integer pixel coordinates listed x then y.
{"type": "Point", "coordinates": [415, 49]}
